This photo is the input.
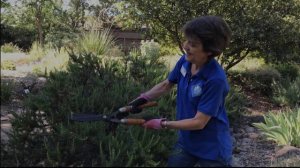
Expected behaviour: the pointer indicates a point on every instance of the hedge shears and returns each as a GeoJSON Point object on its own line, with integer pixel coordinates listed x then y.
{"type": "Point", "coordinates": [117, 117]}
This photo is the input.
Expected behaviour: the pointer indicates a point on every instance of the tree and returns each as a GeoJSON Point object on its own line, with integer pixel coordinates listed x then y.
{"type": "Point", "coordinates": [34, 15]}
{"type": "Point", "coordinates": [102, 14]}
{"type": "Point", "coordinates": [47, 21]}
{"type": "Point", "coordinates": [77, 13]}
{"type": "Point", "coordinates": [4, 4]}
{"type": "Point", "coordinates": [270, 27]}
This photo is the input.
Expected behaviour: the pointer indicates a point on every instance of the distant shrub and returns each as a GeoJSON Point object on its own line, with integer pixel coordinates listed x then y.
{"type": "Point", "coordinates": [54, 59]}
{"type": "Point", "coordinates": [248, 63]}
{"type": "Point", "coordinates": [22, 36]}
{"type": "Point", "coordinates": [283, 127]}
{"type": "Point", "coordinates": [258, 79]}
{"type": "Point", "coordinates": [150, 49]}
{"type": "Point", "coordinates": [36, 52]}
{"type": "Point", "coordinates": [10, 48]}
{"type": "Point", "coordinates": [8, 65]}
{"type": "Point", "coordinates": [288, 71]}
{"type": "Point", "coordinates": [287, 92]}
{"type": "Point", "coordinates": [167, 50]}
{"type": "Point", "coordinates": [235, 103]}
{"type": "Point", "coordinates": [6, 91]}
{"type": "Point", "coordinates": [95, 42]}
{"type": "Point", "coordinates": [115, 52]}
{"type": "Point", "coordinates": [39, 71]}
{"type": "Point", "coordinates": [144, 64]}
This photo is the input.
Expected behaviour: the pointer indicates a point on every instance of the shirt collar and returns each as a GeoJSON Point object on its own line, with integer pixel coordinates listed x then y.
{"type": "Point", "coordinates": [205, 70]}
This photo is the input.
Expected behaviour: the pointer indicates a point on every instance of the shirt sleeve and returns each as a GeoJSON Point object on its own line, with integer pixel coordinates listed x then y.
{"type": "Point", "coordinates": [212, 97]}
{"type": "Point", "coordinates": [175, 74]}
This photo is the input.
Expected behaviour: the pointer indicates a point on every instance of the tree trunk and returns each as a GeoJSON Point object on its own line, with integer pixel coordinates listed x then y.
{"type": "Point", "coordinates": [39, 21]}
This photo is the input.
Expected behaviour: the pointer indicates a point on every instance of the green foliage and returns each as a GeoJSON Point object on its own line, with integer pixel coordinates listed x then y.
{"type": "Point", "coordinates": [4, 4]}
{"type": "Point", "coordinates": [95, 42]}
{"type": "Point", "coordinates": [283, 128]}
{"type": "Point", "coordinates": [249, 63]}
{"type": "Point", "coordinates": [54, 59]}
{"type": "Point", "coordinates": [169, 50]}
{"type": "Point", "coordinates": [20, 36]}
{"type": "Point", "coordinates": [6, 91]}
{"type": "Point", "coordinates": [45, 21]}
{"type": "Point", "coordinates": [10, 48]}
{"type": "Point", "coordinates": [91, 84]}
{"type": "Point", "coordinates": [25, 142]}
{"type": "Point", "coordinates": [38, 71]}
{"type": "Point", "coordinates": [36, 53]}
{"type": "Point", "coordinates": [144, 64]}
{"type": "Point", "coordinates": [115, 52]}
{"type": "Point", "coordinates": [254, 24]}
{"type": "Point", "coordinates": [150, 49]}
{"type": "Point", "coordinates": [288, 71]}
{"type": "Point", "coordinates": [8, 65]}
{"type": "Point", "coordinates": [235, 103]}
{"type": "Point", "coordinates": [287, 92]}
{"type": "Point", "coordinates": [257, 79]}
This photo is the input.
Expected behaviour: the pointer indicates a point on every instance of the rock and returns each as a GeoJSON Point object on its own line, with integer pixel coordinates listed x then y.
{"type": "Point", "coordinates": [246, 140]}
{"type": "Point", "coordinates": [4, 118]}
{"type": "Point", "coordinates": [238, 135]}
{"type": "Point", "coordinates": [5, 126]}
{"type": "Point", "coordinates": [10, 116]}
{"type": "Point", "coordinates": [253, 135]}
{"type": "Point", "coordinates": [233, 140]}
{"type": "Point", "coordinates": [236, 162]}
{"type": "Point", "coordinates": [286, 151]}
{"type": "Point", "coordinates": [4, 137]}
{"type": "Point", "coordinates": [249, 129]}
{"type": "Point", "coordinates": [4, 109]}
{"type": "Point", "coordinates": [288, 156]}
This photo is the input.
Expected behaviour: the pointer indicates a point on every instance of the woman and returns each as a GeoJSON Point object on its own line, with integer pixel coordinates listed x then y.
{"type": "Point", "coordinates": [201, 119]}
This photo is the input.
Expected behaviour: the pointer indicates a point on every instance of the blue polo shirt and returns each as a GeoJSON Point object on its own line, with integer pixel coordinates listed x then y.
{"type": "Point", "coordinates": [204, 92]}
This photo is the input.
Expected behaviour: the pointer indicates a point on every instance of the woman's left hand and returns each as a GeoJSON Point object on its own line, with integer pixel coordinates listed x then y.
{"type": "Point", "coordinates": [154, 123]}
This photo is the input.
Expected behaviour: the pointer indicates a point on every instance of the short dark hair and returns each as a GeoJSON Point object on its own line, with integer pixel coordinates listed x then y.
{"type": "Point", "coordinates": [212, 31]}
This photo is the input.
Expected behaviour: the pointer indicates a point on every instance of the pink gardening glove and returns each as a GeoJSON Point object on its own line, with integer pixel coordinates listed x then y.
{"type": "Point", "coordinates": [154, 123]}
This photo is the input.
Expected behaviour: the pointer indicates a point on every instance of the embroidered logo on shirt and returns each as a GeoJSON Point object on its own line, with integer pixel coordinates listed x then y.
{"type": "Point", "coordinates": [183, 71]}
{"type": "Point", "coordinates": [196, 90]}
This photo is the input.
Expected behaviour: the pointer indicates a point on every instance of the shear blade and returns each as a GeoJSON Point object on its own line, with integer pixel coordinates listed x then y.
{"type": "Point", "coordinates": [87, 117]}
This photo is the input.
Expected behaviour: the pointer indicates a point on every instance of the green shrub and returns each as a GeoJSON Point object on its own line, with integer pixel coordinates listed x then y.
{"type": "Point", "coordinates": [169, 50]}
{"type": "Point", "coordinates": [45, 135]}
{"type": "Point", "coordinates": [115, 52]}
{"type": "Point", "coordinates": [258, 80]}
{"type": "Point", "coordinates": [150, 49]}
{"type": "Point", "coordinates": [6, 91]}
{"type": "Point", "coordinates": [36, 52]}
{"type": "Point", "coordinates": [55, 59]}
{"type": "Point", "coordinates": [287, 92]}
{"type": "Point", "coordinates": [144, 64]}
{"type": "Point", "coordinates": [95, 42]}
{"type": "Point", "coordinates": [10, 48]}
{"type": "Point", "coordinates": [235, 103]}
{"type": "Point", "coordinates": [39, 71]}
{"type": "Point", "coordinates": [8, 65]}
{"type": "Point", "coordinates": [249, 63]}
{"type": "Point", "coordinates": [283, 128]}
{"type": "Point", "coordinates": [288, 71]}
